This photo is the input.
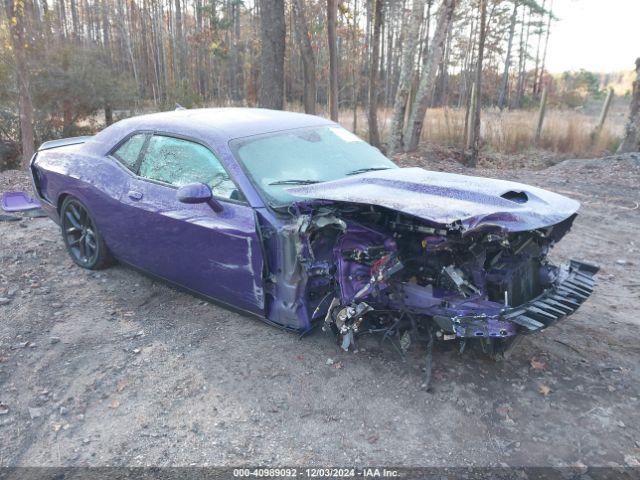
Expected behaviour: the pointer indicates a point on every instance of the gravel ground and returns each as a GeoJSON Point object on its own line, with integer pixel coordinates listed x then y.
{"type": "Point", "coordinates": [112, 368]}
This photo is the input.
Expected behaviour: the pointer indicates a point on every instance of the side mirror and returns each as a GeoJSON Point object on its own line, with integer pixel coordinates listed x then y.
{"type": "Point", "coordinates": [198, 193]}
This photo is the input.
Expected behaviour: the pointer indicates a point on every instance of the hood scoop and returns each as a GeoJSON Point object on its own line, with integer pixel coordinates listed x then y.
{"type": "Point", "coordinates": [517, 197]}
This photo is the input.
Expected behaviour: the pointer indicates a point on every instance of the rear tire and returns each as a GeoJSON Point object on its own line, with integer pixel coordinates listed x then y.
{"type": "Point", "coordinates": [81, 237]}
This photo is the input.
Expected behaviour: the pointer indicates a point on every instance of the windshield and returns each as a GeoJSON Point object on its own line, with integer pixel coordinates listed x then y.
{"type": "Point", "coordinates": [278, 161]}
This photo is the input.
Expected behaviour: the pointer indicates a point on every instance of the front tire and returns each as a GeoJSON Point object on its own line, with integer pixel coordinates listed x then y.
{"type": "Point", "coordinates": [81, 237]}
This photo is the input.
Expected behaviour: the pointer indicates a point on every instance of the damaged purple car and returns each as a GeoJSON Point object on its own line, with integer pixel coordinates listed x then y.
{"type": "Point", "coordinates": [294, 219]}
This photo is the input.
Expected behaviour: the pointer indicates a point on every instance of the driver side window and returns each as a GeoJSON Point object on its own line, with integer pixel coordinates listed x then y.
{"type": "Point", "coordinates": [178, 162]}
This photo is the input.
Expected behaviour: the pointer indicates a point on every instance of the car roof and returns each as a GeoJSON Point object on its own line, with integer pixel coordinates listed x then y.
{"type": "Point", "coordinates": [212, 125]}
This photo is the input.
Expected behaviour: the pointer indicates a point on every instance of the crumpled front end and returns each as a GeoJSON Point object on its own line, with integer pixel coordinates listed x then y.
{"type": "Point", "coordinates": [572, 288]}
{"type": "Point", "coordinates": [412, 281]}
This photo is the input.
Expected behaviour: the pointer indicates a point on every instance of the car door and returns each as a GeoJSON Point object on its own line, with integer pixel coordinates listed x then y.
{"type": "Point", "coordinates": [216, 254]}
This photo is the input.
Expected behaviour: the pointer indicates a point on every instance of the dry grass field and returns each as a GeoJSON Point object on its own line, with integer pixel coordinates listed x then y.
{"type": "Point", "coordinates": [565, 133]}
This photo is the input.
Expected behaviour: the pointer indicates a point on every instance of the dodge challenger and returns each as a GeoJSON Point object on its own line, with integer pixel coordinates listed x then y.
{"type": "Point", "coordinates": [293, 219]}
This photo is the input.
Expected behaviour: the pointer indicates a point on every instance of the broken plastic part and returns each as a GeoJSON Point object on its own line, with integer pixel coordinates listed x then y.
{"type": "Point", "coordinates": [18, 202]}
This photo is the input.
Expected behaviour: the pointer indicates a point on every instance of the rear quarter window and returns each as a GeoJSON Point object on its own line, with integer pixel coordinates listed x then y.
{"type": "Point", "coordinates": [129, 151]}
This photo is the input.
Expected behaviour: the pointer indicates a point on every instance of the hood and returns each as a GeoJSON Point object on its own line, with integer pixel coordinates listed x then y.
{"type": "Point", "coordinates": [449, 199]}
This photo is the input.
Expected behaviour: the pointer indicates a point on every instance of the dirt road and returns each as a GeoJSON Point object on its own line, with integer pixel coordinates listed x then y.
{"type": "Point", "coordinates": [112, 368]}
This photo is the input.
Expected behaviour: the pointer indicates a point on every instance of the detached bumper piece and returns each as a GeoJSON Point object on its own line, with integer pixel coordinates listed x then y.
{"type": "Point", "coordinates": [575, 285]}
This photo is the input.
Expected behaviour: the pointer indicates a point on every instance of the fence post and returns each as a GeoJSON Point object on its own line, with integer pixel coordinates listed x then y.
{"type": "Point", "coordinates": [603, 113]}
{"type": "Point", "coordinates": [541, 112]}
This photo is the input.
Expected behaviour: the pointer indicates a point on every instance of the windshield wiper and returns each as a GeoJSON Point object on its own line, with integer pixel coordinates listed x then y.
{"type": "Point", "coordinates": [364, 170]}
{"type": "Point", "coordinates": [295, 182]}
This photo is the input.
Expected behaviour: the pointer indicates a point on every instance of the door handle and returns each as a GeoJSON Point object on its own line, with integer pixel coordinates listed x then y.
{"type": "Point", "coordinates": [133, 195]}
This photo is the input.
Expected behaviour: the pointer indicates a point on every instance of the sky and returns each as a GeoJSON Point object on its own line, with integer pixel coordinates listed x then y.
{"type": "Point", "coordinates": [597, 35]}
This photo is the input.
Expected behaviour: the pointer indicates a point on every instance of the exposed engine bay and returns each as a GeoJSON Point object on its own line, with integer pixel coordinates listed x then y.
{"type": "Point", "coordinates": [368, 269]}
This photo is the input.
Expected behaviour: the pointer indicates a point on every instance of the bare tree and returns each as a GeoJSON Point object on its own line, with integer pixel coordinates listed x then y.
{"type": "Point", "coordinates": [273, 31]}
{"type": "Point", "coordinates": [15, 11]}
{"type": "Point", "coordinates": [427, 79]}
{"type": "Point", "coordinates": [410, 34]}
{"type": "Point", "coordinates": [180, 50]}
{"type": "Point", "coordinates": [546, 43]}
{"type": "Point", "coordinates": [522, 58]}
{"type": "Point", "coordinates": [332, 13]}
{"type": "Point", "coordinates": [237, 80]}
{"type": "Point", "coordinates": [475, 142]}
{"type": "Point", "coordinates": [539, 31]}
{"type": "Point", "coordinates": [308, 57]}
{"type": "Point", "coordinates": [75, 20]}
{"type": "Point", "coordinates": [355, 66]}
{"type": "Point", "coordinates": [374, 133]}
{"type": "Point", "coordinates": [502, 99]}
{"type": "Point", "coordinates": [631, 141]}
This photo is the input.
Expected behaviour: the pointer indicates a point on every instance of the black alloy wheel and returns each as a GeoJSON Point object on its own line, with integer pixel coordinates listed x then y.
{"type": "Point", "coordinates": [81, 237]}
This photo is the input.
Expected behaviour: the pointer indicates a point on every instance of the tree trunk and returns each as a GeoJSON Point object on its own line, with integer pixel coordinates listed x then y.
{"type": "Point", "coordinates": [631, 141]}
{"type": "Point", "coordinates": [442, 88]}
{"type": "Point", "coordinates": [522, 62]}
{"type": "Point", "coordinates": [410, 34]}
{"type": "Point", "coordinates": [354, 67]}
{"type": "Point", "coordinates": [213, 19]}
{"type": "Point", "coordinates": [332, 12]}
{"type": "Point", "coordinates": [427, 84]}
{"type": "Point", "coordinates": [546, 43]}
{"type": "Point", "coordinates": [374, 133]}
{"type": "Point", "coordinates": [16, 29]}
{"type": "Point", "coordinates": [237, 79]}
{"type": "Point", "coordinates": [180, 47]}
{"type": "Point", "coordinates": [390, 51]}
{"type": "Point", "coordinates": [367, 38]}
{"type": "Point", "coordinates": [536, 87]}
{"type": "Point", "coordinates": [253, 82]}
{"type": "Point", "coordinates": [308, 57]}
{"type": "Point", "coordinates": [272, 34]}
{"type": "Point", "coordinates": [62, 20]}
{"type": "Point", "coordinates": [467, 59]}
{"type": "Point", "coordinates": [423, 55]}
{"type": "Point", "coordinates": [475, 144]}
{"type": "Point", "coordinates": [75, 21]}
{"type": "Point", "coordinates": [502, 99]}
{"type": "Point", "coordinates": [127, 40]}
{"type": "Point", "coordinates": [108, 114]}
{"type": "Point", "coordinates": [46, 21]}
{"type": "Point", "coordinates": [541, 113]}
{"type": "Point", "coordinates": [200, 70]}
{"type": "Point", "coordinates": [106, 42]}
{"type": "Point", "coordinates": [67, 118]}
